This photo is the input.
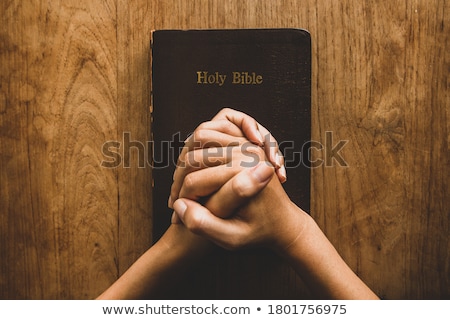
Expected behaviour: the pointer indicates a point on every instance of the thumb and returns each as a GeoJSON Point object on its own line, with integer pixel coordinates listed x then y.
{"type": "Point", "coordinates": [238, 190]}
{"type": "Point", "coordinates": [199, 220]}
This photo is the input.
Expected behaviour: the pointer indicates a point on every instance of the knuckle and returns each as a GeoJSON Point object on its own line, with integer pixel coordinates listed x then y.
{"type": "Point", "coordinates": [189, 160]}
{"type": "Point", "coordinates": [233, 244]}
{"type": "Point", "coordinates": [202, 125]}
{"type": "Point", "coordinates": [225, 110]}
{"type": "Point", "coordinates": [187, 156]}
{"type": "Point", "coordinates": [251, 155]}
{"type": "Point", "coordinates": [242, 187]}
{"type": "Point", "coordinates": [188, 183]}
{"type": "Point", "coordinates": [195, 223]}
{"type": "Point", "coordinates": [259, 152]}
{"type": "Point", "coordinates": [200, 135]}
{"type": "Point", "coordinates": [184, 160]}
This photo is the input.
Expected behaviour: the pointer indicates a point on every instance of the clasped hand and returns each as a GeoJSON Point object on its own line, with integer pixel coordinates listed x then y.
{"type": "Point", "coordinates": [228, 188]}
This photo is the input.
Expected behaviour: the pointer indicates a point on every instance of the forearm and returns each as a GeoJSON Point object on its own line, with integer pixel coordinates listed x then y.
{"type": "Point", "coordinates": [321, 267]}
{"type": "Point", "coordinates": [159, 267]}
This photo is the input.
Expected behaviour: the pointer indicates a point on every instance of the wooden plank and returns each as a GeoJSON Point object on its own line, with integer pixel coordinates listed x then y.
{"type": "Point", "coordinates": [59, 208]}
{"type": "Point", "coordinates": [381, 211]}
{"type": "Point", "coordinates": [427, 156]}
{"type": "Point", "coordinates": [134, 175]}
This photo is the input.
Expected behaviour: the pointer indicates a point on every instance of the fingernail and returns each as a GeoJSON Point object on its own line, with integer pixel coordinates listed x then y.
{"type": "Point", "coordinates": [278, 160]}
{"type": "Point", "coordinates": [170, 202]}
{"type": "Point", "coordinates": [175, 219]}
{"type": "Point", "coordinates": [188, 137]}
{"type": "Point", "coordinates": [180, 208]}
{"type": "Point", "coordinates": [260, 138]}
{"type": "Point", "coordinates": [282, 171]}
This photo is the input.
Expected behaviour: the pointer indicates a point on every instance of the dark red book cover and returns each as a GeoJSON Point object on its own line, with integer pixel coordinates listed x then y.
{"type": "Point", "coordinates": [265, 73]}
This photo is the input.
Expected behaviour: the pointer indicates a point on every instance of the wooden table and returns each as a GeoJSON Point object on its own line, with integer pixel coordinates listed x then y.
{"type": "Point", "coordinates": [75, 74]}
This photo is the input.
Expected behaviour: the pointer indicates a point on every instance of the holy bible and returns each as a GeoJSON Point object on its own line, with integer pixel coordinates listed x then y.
{"type": "Point", "coordinates": [265, 73]}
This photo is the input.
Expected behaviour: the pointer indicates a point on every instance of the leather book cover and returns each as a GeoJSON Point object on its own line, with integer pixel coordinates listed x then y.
{"type": "Point", "coordinates": [265, 73]}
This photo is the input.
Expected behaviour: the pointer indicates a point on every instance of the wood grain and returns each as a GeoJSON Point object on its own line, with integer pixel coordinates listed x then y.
{"type": "Point", "coordinates": [59, 207]}
{"type": "Point", "coordinates": [134, 181]}
{"type": "Point", "coordinates": [75, 74]}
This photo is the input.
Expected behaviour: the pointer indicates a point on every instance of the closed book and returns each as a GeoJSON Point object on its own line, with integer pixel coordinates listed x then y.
{"type": "Point", "coordinates": [265, 73]}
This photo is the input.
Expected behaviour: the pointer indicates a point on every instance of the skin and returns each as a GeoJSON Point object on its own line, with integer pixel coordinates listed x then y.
{"type": "Point", "coordinates": [271, 220]}
{"type": "Point", "coordinates": [229, 127]}
{"type": "Point", "coordinates": [243, 206]}
{"type": "Point", "coordinates": [178, 249]}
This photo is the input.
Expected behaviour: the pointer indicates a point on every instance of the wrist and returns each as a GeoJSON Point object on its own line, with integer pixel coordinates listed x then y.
{"type": "Point", "coordinates": [318, 263]}
{"type": "Point", "coordinates": [291, 230]}
{"type": "Point", "coordinates": [179, 241]}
